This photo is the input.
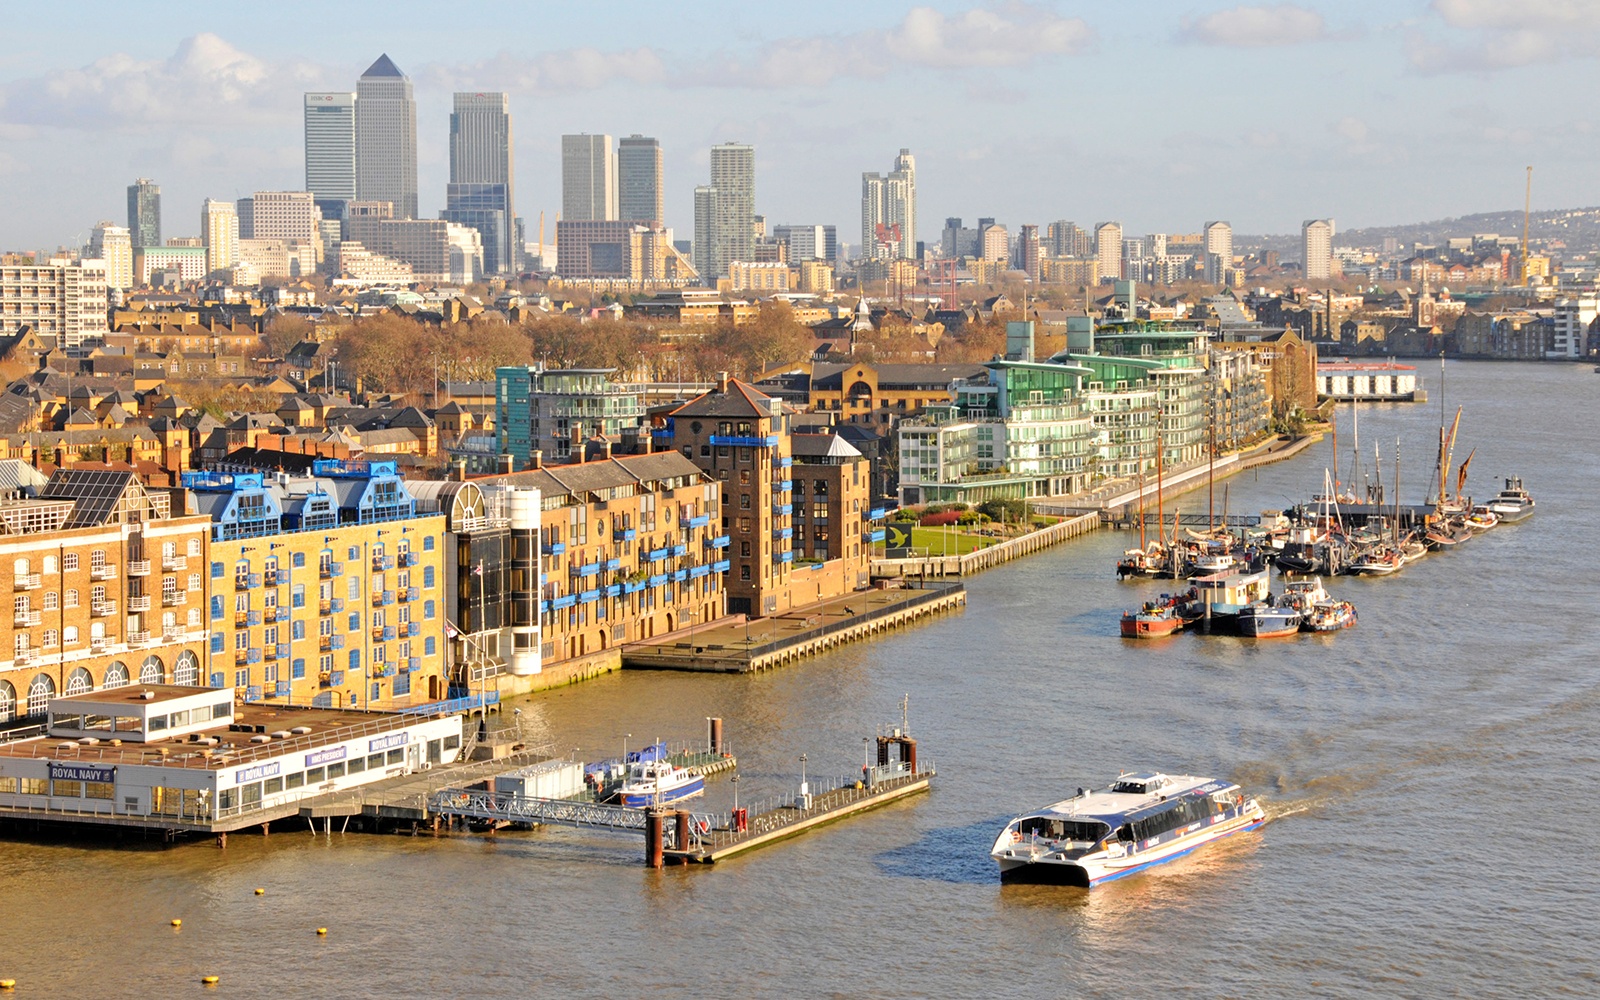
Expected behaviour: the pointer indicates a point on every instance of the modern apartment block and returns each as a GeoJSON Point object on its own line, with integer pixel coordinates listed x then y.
{"type": "Point", "coordinates": [219, 231]}
{"type": "Point", "coordinates": [112, 245]}
{"type": "Point", "coordinates": [547, 415]}
{"type": "Point", "coordinates": [330, 132]}
{"type": "Point", "coordinates": [60, 299]}
{"type": "Point", "coordinates": [1219, 252]}
{"type": "Point", "coordinates": [436, 249]}
{"type": "Point", "coordinates": [144, 213]}
{"type": "Point", "coordinates": [188, 263]}
{"type": "Point", "coordinates": [325, 590]}
{"type": "Point", "coordinates": [1316, 240]}
{"type": "Point", "coordinates": [287, 215]}
{"type": "Point", "coordinates": [808, 242]}
{"type": "Point", "coordinates": [889, 211]}
{"type": "Point", "coordinates": [630, 253]}
{"type": "Point", "coordinates": [1108, 250]}
{"type": "Point", "coordinates": [386, 138]}
{"type": "Point", "coordinates": [482, 178]}
{"type": "Point", "coordinates": [639, 180]}
{"type": "Point", "coordinates": [725, 211]}
{"type": "Point", "coordinates": [588, 178]}
{"type": "Point", "coordinates": [107, 590]}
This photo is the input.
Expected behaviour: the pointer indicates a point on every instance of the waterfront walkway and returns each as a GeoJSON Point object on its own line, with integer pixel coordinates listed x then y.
{"type": "Point", "coordinates": [756, 644]}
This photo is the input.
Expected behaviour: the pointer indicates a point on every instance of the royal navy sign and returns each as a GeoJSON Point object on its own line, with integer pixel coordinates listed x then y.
{"type": "Point", "coordinates": [386, 742]}
{"type": "Point", "coordinates": [255, 773]}
{"type": "Point", "coordinates": [82, 772]}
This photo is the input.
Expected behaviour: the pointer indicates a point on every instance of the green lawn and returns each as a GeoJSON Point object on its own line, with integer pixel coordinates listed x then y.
{"type": "Point", "coordinates": [944, 541]}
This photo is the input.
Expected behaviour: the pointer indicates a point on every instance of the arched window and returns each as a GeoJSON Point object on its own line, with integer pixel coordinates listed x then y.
{"type": "Point", "coordinates": [152, 670]}
{"type": "Point", "coordinates": [79, 681]}
{"type": "Point", "coordinates": [185, 670]}
{"type": "Point", "coordinates": [8, 701]}
{"type": "Point", "coordinates": [116, 675]}
{"type": "Point", "coordinates": [40, 691]}
{"type": "Point", "coordinates": [49, 564]}
{"type": "Point", "coordinates": [51, 637]}
{"type": "Point", "coordinates": [97, 630]}
{"type": "Point", "coordinates": [72, 599]}
{"type": "Point", "coordinates": [69, 635]}
{"type": "Point", "coordinates": [20, 567]}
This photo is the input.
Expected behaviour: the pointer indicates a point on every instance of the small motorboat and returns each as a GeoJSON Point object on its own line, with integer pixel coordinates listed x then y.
{"type": "Point", "coordinates": [655, 782]}
{"type": "Point", "coordinates": [1482, 518]}
{"type": "Point", "coordinates": [1154, 620]}
{"type": "Point", "coordinates": [1377, 562]}
{"type": "Point", "coordinates": [1269, 620]}
{"type": "Point", "coordinates": [1513, 503]}
{"type": "Point", "coordinates": [1330, 616]}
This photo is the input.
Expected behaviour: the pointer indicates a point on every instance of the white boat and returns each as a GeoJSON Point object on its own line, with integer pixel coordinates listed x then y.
{"type": "Point", "coordinates": [1140, 820]}
{"type": "Point", "coordinates": [1482, 518]}
{"type": "Point", "coordinates": [654, 782]}
{"type": "Point", "coordinates": [1513, 503]}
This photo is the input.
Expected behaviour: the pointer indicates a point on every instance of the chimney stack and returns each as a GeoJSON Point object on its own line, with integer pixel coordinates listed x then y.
{"type": "Point", "coordinates": [536, 458]}
{"type": "Point", "coordinates": [722, 381]}
{"type": "Point", "coordinates": [458, 470]}
{"type": "Point", "coordinates": [503, 464]}
{"type": "Point", "coordinates": [606, 449]}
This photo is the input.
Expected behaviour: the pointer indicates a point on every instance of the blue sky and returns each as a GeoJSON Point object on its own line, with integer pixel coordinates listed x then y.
{"type": "Point", "coordinates": [1159, 114]}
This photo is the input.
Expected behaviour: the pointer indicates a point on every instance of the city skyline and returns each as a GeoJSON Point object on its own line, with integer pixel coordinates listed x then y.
{"type": "Point", "coordinates": [1438, 109]}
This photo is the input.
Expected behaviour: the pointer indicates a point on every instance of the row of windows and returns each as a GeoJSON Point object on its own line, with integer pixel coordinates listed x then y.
{"type": "Point", "coordinates": [22, 566]}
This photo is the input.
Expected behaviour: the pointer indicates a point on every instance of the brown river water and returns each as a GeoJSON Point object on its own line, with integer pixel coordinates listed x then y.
{"type": "Point", "coordinates": [1433, 774]}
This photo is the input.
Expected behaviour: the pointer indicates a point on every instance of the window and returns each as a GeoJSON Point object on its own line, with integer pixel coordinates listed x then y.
{"type": "Point", "coordinates": [355, 621]}
{"type": "Point", "coordinates": [217, 608]}
{"type": "Point", "coordinates": [297, 629]}
{"type": "Point", "coordinates": [194, 546]}
{"type": "Point", "coordinates": [355, 554]}
{"type": "Point", "coordinates": [299, 560]}
{"type": "Point", "coordinates": [297, 669]}
{"type": "Point", "coordinates": [744, 477]}
{"type": "Point", "coordinates": [427, 609]}
{"type": "Point", "coordinates": [241, 601]}
{"type": "Point", "coordinates": [241, 640]}
{"type": "Point", "coordinates": [52, 601]}
{"type": "Point", "coordinates": [69, 635]}
{"type": "Point", "coordinates": [744, 572]}
{"type": "Point", "coordinates": [69, 561]}
{"type": "Point", "coordinates": [355, 659]}
{"type": "Point", "coordinates": [51, 637]}
{"type": "Point", "coordinates": [241, 678]}
{"type": "Point", "coordinates": [297, 595]}
{"type": "Point", "coordinates": [217, 642]}
{"type": "Point", "coordinates": [428, 646]}
{"type": "Point", "coordinates": [427, 576]}
{"type": "Point", "coordinates": [744, 501]}
{"type": "Point", "coordinates": [72, 599]}
{"type": "Point", "coordinates": [194, 582]}
{"type": "Point", "coordinates": [353, 589]}
{"type": "Point", "coordinates": [216, 571]}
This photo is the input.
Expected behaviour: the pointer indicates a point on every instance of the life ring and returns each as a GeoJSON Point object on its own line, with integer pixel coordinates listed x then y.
{"type": "Point", "coordinates": [705, 826]}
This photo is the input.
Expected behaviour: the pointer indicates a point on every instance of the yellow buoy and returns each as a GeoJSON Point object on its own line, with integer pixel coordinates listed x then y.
{"type": "Point", "coordinates": [8, 984]}
{"type": "Point", "coordinates": [261, 892]}
{"type": "Point", "coordinates": [176, 922]}
{"type": "Point", "coordinates": [209, 980]}
{"type": "Point", "coordinates": [322, 931]}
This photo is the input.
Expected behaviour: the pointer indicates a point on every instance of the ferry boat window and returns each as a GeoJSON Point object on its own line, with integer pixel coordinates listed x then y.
{"type": "Point", "coordinates": [396, 756]}
{"type": "Point", "coordinates": [98, 790]}
{"type": "Point", "coordinates": [250, 795]}
{"type": "Point", "coordinates": [295, 780]}
{"type": "Point", "coordinates": [273, 786]}
{"type": "Point", "coordinates": [356, 765]}
{"type": "Point", "coordinates": [8, 785]}
{"type": "Point", "coordinates": [375, 762]}
{"type": "Point", "coordinates": [314, 775]}
{"type": "Point", "coordinates": [335, 770]}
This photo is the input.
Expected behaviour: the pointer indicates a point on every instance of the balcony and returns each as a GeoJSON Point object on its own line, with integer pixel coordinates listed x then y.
{"type": "Point", "coordinates": [410, 559]}
{"type": "Point", "coordinates": [787, 555]}
{"type": "Point", "coordinates": [783, 533]}
{"type": "Point", "coordinates": [100, 645]}
{"type": "Point", "coordinates": [338, 605]}
{"type": "Point", "coordinates": [103, 572]}
{"type": "Point", "coordinates": [411, 594]}
{"type": "Point", "coordinates": [138, 567]}
{"type": "Point", "coordinates": [699, 521]}
{"type": "Point", "coordinates": [721, 566]}
{"type": "Point", "coordinates": [877, 535]}
{"type": "Point", "coordinates": [272, 577]}
{"type": "Point", "coordinates": [745, 440]}
{"type": "Point", "coordinates": [325, 642]}
{"type": "Point", "coordinates": [27, 581]}
{"type": "Point", "coordinates": [28, 619]}
{"type": "Point", "coordinates": [139, 638]}
{"type": "Point", "coordinates": [241, 657]}
{"type": "Point", "coordinates": [719, 542]}
{"type": "Point", "coordinates": [328, 571]}
{"type": "Point", "coordinates": [625, 534]}
{"type": "Point", "coordinates": [247, 581]}
{"type": "Point", "coordinates": [24, 657]}
{"type": "Point", "coordinates": [612, 565]}
{"type": "Point", "coordinates": [381, 563]}
{"type": "Point", "coordinates": [555, 548]}
{"type": "Point", "coordinates": [782, 485]}
{"type": "Point", "coordinates": [173, 598]}
{"type": "Point", "coordinates": [255, 618]}
{"type": "Point", "coordinates": [174, 564]}
{"type": "Point", "coordinates": [325, 606]}
{"type": "Point", "coordinates": [102, 609]}
{"type": "Point", "coordinates": [656, 555]}
{"type": "Point", "coordinates": [138, 604]}
{"type": "Point", "coordinates": [383, 633]}
{"type": "Point", "coordinates": [413, 629]}
{"type": "Point", "coordinates": [680, 550]}
{"type": "Point", "coordinates": [173, 634]}
{"type": "Point", "coordinates": [877, 514]}
{"type": "Point", "coordinates": [589, 570]}
{"type": "Point", "coordinates": [413, 664]}
{"type": "Point", "coordinates": [241, 619]}
{"type": "Point", "coordinates": [270, 653]}
{"type": "Point", "coordinates": [782, 509]}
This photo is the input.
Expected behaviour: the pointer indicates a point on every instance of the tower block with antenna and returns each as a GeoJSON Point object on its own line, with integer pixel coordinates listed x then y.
{"type": "Point", "coordinates": [1527, 208]}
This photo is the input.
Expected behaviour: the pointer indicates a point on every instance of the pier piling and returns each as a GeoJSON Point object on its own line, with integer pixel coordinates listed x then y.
{"type": "Point", "coordinates": [653, 831]}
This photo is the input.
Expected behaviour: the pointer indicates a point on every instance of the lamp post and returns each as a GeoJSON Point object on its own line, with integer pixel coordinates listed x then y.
{"type": "Point", "coordinates": [625, 738]}
{"type": "Point", "coordinates": [735, 780]}
{"type": "Point", "coordinates": [802, 774]}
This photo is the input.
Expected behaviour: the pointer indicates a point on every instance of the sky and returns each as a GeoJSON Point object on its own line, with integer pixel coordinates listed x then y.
{"type": "Point", "coordinates": [1160, 115]}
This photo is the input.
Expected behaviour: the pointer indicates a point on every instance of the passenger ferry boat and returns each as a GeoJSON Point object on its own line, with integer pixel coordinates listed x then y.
{"type": "Point", "coordinates": [1140, 820]}
{"type": "Point", "coordinates": [1271, 619]}
{"type": "Point", "coordinates": [654, 782]}
{"type": "Point", "coordinates": [1513, 503]}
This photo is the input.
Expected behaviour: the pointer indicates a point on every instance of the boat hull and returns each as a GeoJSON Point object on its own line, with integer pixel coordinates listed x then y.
{"type": "Point", "coordinates": [1149, 628]}
{"type": "Point", "coordinates": [1509, 514]}
{"type": "Point", "coordinates": [1089, 874]}
{"type": "Point", "coordinates": [639, 800]}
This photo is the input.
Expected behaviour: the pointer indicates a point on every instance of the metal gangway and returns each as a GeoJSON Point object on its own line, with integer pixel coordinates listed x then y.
{"type": "Point", "coordinates": [488, 806]}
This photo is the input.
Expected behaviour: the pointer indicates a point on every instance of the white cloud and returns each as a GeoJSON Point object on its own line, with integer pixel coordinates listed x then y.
{"type": "Point", "coordinates": [1488, 35]}
{"type": "Point", "coordinates": [1255, 27]}
{"type": "Point", "coordinates": [1010, 34]}
{"type": "Point", "coordinates": [206, 81]}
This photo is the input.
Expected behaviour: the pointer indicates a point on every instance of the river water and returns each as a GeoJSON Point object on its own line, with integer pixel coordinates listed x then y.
{"type": "Point", "coordinates": [1432, 774]}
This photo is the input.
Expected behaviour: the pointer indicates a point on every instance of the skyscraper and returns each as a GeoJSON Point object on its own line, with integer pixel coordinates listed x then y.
{"type": "Point", "coordinates": [1028, 252]}
{"type": "Point", "coordinates": [1219, 252]}
{"type": "Point", "coordinates": [1316, 238]}
{"type": "Point", "coordinates": [481, 190]}
{"type": "Point", "coordinates": [144, 213]}
{"type": "Point", "coordinates": [588, 178]}
{"type": "Point", "coordinates": [639, 179]}
{"type": "Point", "coordinates": [1108, 249]}
{"type": "Point", "coordinates": [330, 126]}
{"type": "Point", "coordinates": [219, 229]}
{"type": "Point", "coordinates": [112, 244]}
{"type": "Point", "coordinates": [729, 204]}
{"type": "Point", "coordinates": [386, 138]}
{"type": "Point", "coordinates": [888, 206]}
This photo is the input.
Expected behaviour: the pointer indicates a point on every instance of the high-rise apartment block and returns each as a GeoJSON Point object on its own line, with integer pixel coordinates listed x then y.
{"type": "Point", "coordinates": [1108, 249]}
{"type": "Point", "coordinates": [725, 211]}
{"type": "Point", "coordinates": [889, 211]}
{"type": "Point", "coordinates": [808, 242]}
{"type": "Point", "coordinates": [1219, 252]}
{"type": "Point", "coordinates": [112, 245]}
{"type": "Point", "coordinates": [291, 216]}
{"type": "Point", "coordinates": [386, 138]}
{"type": "Point", "coordinates": [1316, 238]}
{"type": "Point", "coordinates": [144, 213]}
{"type": "Point", "coordinates": [1027, 258]}
{"type": "Point", "coordinates": [588, 178]}
{"type": "Point", "coordinates": [481, 191]}
{"type": "Point", "coordinates": [219, 233]}
{"type": "Point", "coordinates": [639, 179]}
{"type": "Point", "coordinates": [61, 299]}
{"type": "Point", "coordinates": [330, 127]}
